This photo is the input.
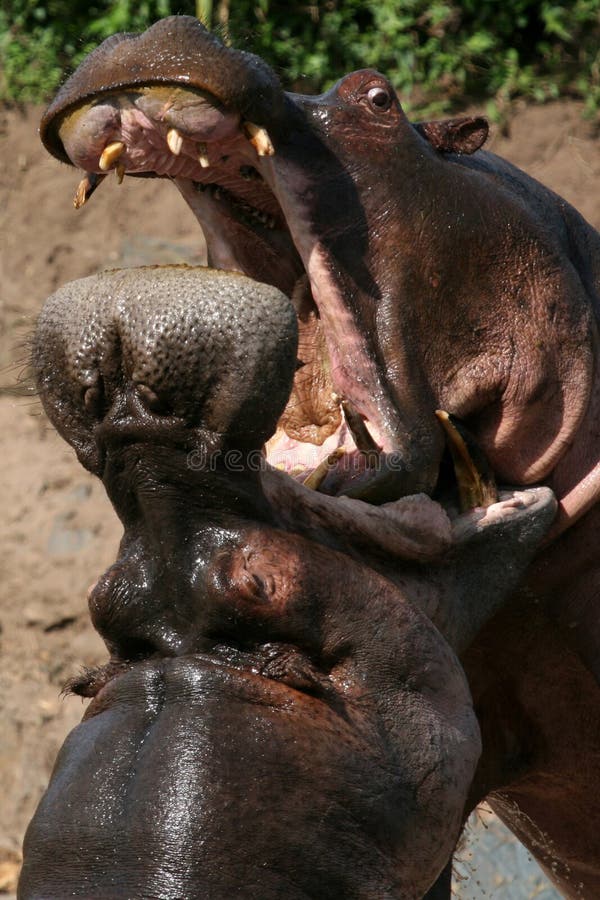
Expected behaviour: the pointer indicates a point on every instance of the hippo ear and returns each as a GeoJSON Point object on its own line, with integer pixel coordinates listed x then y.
{"type": "Point", "coordinates": [463, 135]}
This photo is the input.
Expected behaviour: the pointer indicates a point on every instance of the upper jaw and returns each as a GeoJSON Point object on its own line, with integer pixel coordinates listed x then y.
{"type": "Point", "coordinates": [190, 56]}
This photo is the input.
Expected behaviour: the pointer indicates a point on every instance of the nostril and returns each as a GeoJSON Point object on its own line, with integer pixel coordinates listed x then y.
{"type": "Point", "coordinates": [151, 400]}
{"type": "Point", "coordinates": [93, 398]}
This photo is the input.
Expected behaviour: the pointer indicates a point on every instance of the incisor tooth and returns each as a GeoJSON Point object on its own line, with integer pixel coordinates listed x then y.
{"type": "Point", "coordinates": [259, 138]}
{"type": "Point", "coordinates": [175, 141]}
{"type": "Point", "coordinates": [203, 156]}
{"type": "Point", "coordinates": [110, 155]}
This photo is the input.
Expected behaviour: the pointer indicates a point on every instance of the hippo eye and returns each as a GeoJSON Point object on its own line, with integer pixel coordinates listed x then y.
{"type": "Point", "coordinates": [379, 98]}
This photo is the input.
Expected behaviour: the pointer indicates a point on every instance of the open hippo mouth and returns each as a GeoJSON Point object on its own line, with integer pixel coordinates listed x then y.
{"type": "Point", "coordinates": [237, 148]}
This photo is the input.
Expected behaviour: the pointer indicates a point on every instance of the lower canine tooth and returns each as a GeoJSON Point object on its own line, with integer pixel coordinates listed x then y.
{"type": "Point", "coordinates": [175, 141]}
{"type": "Point", "coordinates": [316, 477]}
{"type": "Point", "coordinates": [120, 170]}
{"type": "Point", "coordinates": [110, 155]}
{"type": "Point", "coordinates": [259, 138]}
{"type": "Point", "coordinates": [86, 188]}
{"type": "Point", "coordinates": [476, 485]}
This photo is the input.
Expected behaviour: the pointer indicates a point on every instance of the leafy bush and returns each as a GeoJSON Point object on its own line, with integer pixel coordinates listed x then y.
{"type": "Point", "coordinates": [40, 41]}
{"type": "Point", "coordinates": [438, 53]}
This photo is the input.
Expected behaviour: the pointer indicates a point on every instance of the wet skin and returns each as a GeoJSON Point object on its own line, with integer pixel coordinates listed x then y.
{"type": "Point", "coordinates": [422, 278]}
{"type": "Point", "coordinates": [283, 712]}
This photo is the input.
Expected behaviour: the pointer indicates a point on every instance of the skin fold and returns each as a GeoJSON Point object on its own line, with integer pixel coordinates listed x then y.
{"type": "Point", "coordinates": [425, 274]}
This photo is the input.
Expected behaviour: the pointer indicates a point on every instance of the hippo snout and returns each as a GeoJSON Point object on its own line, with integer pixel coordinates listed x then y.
{"type": "Point", "coordinates": [165, 349]}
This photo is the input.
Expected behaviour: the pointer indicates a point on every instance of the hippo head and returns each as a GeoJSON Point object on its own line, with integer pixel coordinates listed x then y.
{"type": "Point", "coordinates": [283, 713]}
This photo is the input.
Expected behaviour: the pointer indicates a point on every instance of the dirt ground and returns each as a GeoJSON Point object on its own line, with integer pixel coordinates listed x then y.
{"type": "Point", "coordinates": [58, 532]}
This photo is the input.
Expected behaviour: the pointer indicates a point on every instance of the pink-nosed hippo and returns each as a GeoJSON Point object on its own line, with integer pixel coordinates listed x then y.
{"type": "Point", "coordinates": [426, 274]}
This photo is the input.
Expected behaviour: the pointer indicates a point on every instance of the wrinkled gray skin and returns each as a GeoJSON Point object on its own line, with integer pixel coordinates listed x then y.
{"type": "Point", "coordinates": [425, 274]}
{"type": "Point", "coordinates": [278, 718]}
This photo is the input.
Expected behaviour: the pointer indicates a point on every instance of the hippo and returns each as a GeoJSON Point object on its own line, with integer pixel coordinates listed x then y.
{"type": "Point", "coordinates": [283, 713]}
{"type": "Point", "coordinates": [426, 274]}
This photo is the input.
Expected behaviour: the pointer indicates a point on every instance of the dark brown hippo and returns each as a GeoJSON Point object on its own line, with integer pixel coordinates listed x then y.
{"type": "Point", "coordinates": [283, 713]}
{"type": "Point", "coordinates": [422, 279]}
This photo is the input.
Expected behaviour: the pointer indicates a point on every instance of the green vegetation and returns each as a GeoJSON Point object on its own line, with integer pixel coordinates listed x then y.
{"type": "Point", "coordinates": [438, 53]}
